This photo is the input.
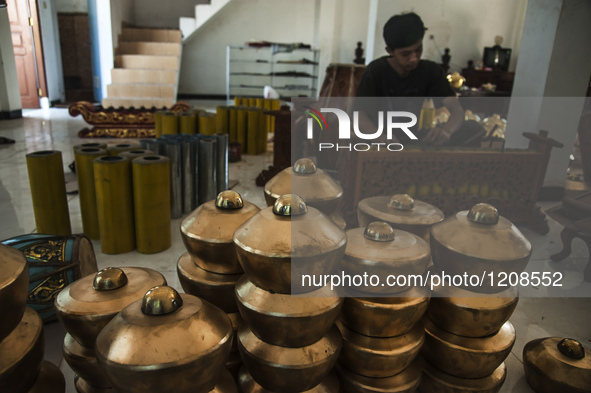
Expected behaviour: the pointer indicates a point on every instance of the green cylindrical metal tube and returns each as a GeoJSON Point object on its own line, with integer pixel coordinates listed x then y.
{"type": "Point", "coordinates": [131, 154]}
{"type": "Point", "coordinates": [222, 120]}
{"type": "Point", "coordinates": [207, 123]}
{"type": "Point", "coordinates": [151, 195]}
{"type": "Point", "coordinates": [114, 202]}
{"type": "Point", "coordinates": [84, 158]}
{"type": "Point", "coordinates": [187, 122]}
{"type": "Point", "coordinates": [115, 150]}
{"type": "Point", "coordinates": [241, 126]}
{"type": "Point", "coordinates": [158, 123]}
{"type": "Point", "coordinates": [170, 123]}
{"type": "Point", "coordinates": [48, 191]}
{"type": "Point", "coordinates": [255, 125]}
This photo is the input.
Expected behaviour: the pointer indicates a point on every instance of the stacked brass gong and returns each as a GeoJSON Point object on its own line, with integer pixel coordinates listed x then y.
{"type": "Point", "coordinates": [210, 268]}
{"type": "Point", "coordinates": [555, 364]}
{"type": "Point", "coordinates": [22, 368]}
{"type": "Point", "coordinates": [382, 336]}
{"type": "Point", "coordinates": [86, 306]}
{"type": "Point", "coordinates": [468, 333]}
{"type": "Point", "coordinates": [288, 343]}
{"type": "Point", "coordinates": [400, 211]}
{"type": "Point", "coordinates": [315, 186]}
{"type": "Point", "coordinates": [167, 342]}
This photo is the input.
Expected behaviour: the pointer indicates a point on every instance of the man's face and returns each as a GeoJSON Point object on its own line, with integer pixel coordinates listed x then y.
{"type": "Point", "coordinates": [406, 59]}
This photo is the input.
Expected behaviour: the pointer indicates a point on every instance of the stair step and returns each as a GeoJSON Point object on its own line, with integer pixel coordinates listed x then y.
{"type": "Point", "coordinates": [137, 102]}
{"type": "Point", "coordinates": [140, 90]}
{"type": "Point", "coordinates": [130, 75]}
{"type": "Point", "coordinates": [147, 62]}
{"type": "Point", "coordinates": [153, 35]}
{"type": "Point", "coordinates": [149, 48]}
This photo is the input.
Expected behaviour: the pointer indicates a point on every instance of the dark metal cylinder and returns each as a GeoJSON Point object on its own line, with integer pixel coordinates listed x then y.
{"type": "Point", "coordinates": [221, 167]}
{"type": "Point", "coordinates": [188, 168]}
{"type": "Point", "coordinates": [207, 179]}
{"type": "Point", "coordinates": [174, 153]}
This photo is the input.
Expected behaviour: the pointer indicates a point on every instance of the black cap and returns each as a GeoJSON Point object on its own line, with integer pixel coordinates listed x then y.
{"type": "Point", "coordinates": [403, 30]}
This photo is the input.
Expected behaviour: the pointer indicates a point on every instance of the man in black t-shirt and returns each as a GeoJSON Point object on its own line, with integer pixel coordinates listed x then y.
{"type": "Point", "coordinates": [404, 74]}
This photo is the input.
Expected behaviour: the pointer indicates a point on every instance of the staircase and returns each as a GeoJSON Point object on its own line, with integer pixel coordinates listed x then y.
{"type": "Point", "coordinates": [146, 72]}
{"type": "Point", "coordinates": [203, 13]}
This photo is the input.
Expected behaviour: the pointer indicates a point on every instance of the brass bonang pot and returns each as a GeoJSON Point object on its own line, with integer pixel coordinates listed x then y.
{"type": "Point", "coordinates": [50, 379]}
{"type": "Point", "coordinates": [285, 320]}
{"type": "Point", "coordinates": [288, 239]}
{"type": "Point", "coordinates": [466, 357]}
{"type": "Point", "coordinates": [14, 286]}
{"type": "Point", "coordinates": [330, 384]}
{"type": "Point", "coordinates": [385, 316]}
{"type": "Point", "coordinates": [83, 362]}
{"type": "Point", "coordinates": [380, 357]}
{"type": "Point", "coordinates": [316, 187]}
{"type": "Point", "coordinates": [554, 364]}
{"type": "Point", "coordinates": [165, 342]}
{"type": "Point", "coordinates": [471, 314]}
{"type": "Point", "coordinates": [380, 250]}
{"type": "Point", "coordinates": [84, 387]}
{"type": "Point", "coordinates": [22, 354]}
{"type": "Point", "coordinates": [226, 384]}
{"type": "Point", "coordinates": [215, 288]}
{"type": "Point", "coordinates": [479, 242]}
{"type": "Point", "coordinates": [237, 321]}
{"type": "Point", "coordinates": [86, 306]}
{"type": "Point", "coordinates": [400, 211]}
{"type": "Point", "coordinates": [207, 232]}
{"type": "Point", "coordinates": [234, 362]}
{"type": "Point", "coordinates": [289, 370]}
{"type": "Point", "coordinates": [406, 381]}
{"type": "Point", "coordinates": [437, 381]}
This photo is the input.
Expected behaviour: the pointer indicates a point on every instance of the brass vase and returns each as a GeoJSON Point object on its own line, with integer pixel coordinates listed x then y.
{"type": "Point", "coordinates": [406, 381]}
{"type": "Point", "coordinates": [285, 320]}
{"type": "Point", "coordinates": [289, 370]}
{"type": "Point", "coordinates": [479, 243]}
{"type": "Point", "coordinates": [86, 306]}
{"type": "Point", "coordinates": [467, 357]}
{"type": "Point", "coordinates": [208, 232]}
{"type": "Point", "coordinates": [14, 286]}
{"type": "Point", "coordinates": [379, 250]}
{"type": "Point", "coordinates": [555, 364]}
{"type": "Point", "coordinates": [284, 244]}
{"type": "Point", "coordinates": [400, 211]}
{"type": "Point", "coordinates": [385, 316]}
{"type": "Point", "coordinates": [330, 384]}
{"type": "Point", "coordinates": [380, 357]}
{"type": "Point", "coordinates": [437, 381]}
{"type": "Point", "coordinates": [165, 342]}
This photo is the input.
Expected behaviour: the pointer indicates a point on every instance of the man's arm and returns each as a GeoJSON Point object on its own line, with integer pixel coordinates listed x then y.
{"type": "Point", "coordinates": [439, 135]}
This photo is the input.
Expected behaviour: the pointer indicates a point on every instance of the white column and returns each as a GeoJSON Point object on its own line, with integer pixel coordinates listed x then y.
{"type": "Point", "coordinates": [10, 99]}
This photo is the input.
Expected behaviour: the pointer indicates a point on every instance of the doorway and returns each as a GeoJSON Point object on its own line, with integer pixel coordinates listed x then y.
{"type": "Point", "coordinates": [28, 53]}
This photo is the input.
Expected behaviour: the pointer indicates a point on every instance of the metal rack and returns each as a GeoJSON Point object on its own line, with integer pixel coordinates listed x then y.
{"type": "Point", "coordinates": [292, 72]}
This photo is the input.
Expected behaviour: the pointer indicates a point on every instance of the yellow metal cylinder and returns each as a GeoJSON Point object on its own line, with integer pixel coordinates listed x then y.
{"type": "Point", "coordinates": [222, 120]}
{"type": "Point", "coordinates": [170, 123]}
{"type": "Point", "coordinates": [115, 150]}
{"type": "Point", "coordinates": [233, 123]}
{"type": "Point", "coordinates": [151, 203]}
{"type": "Point", "coordinates": [253, 132]}
{"type": "Point", "coordinates": [241, 126]}
{"type": "Point", "coordinates": [137, 153]}
{"type": "Point", "coordinates": [207, 123]}
{"type": "Point", "coordinates": [252, 102]}
{"type": "Point", "coordinates": [48, 191]}
{"type": "Point", "coordinates": [275, 104]}
{"type": "Point", "coordinates": [158, 123]}
{"type": "Point", "coordinates": [260, 103]}
{"type": "Point", "coordinates": [84, 158]}
{"type": "Point", "coordinates": [93, 145]}
{"type": "Point", "coordinates": [114, 202]}
{"type": "Point", "coordinates": [238, 101]}
{"type": "Point", "coordinates": [187, 122]}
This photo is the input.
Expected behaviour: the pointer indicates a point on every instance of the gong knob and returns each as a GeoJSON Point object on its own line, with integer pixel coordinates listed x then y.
{"type": "Point", "coordinates": [161, 300]}
{"type": "Point", "coordinates": [483, 213]}
{"type": "Point", "coordinates": [402, 202]}
{"type": "Point", "coordinates": [109, 278]}
{"type": "Point", "coordinates": [229, 200]}
{"type": "Point", "coordinates": [289, 205]}
{"type": "Point", "coordinates": [379, 232]}
{"type": "Point", "coordinates": [304, 166]}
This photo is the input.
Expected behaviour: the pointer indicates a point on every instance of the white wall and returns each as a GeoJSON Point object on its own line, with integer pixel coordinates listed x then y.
{"type": "Point", "coordinates": [165, 14]}
{"type": "Point", "coordinates": [51, 50]}
{"type": "Point", "coordinates": [203, 65]}
{"type": "Point", "coordinates": [70, 6]}
{"type": "Point", "coordinates": [10, 99]}
{"type": "Point", "coordinates": [464, 26]}
{"type": "Point", "coordinates": [122, 12]}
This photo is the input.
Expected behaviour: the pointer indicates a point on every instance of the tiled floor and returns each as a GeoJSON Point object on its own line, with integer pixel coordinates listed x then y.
{"type": "Point", "coordinates": [540, 313]}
